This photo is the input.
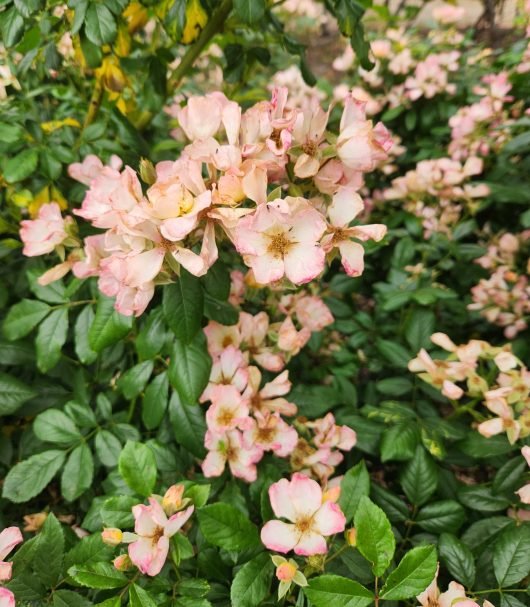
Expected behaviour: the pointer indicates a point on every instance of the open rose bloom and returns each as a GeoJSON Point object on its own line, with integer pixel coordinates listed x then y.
{"type": "Point", "coordinates": [310, 519]}
{"type": "Point", "coordinates": [216, 192]}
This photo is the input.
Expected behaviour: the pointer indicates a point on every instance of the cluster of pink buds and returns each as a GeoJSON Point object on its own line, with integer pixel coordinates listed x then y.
{"type": "Point", "coordinates": [503, 298]}
{"type": "Point", "coordinates": [484, 126]}
{"type": "Point", "coordinates": [246, 417]}
{"type": "Point", "coordinates": [9, 538]}
{"type": "Point", "coordinates": [481, 373]}
{"type": "Point", "coordinates": [219, 189]}
{"type": "Point", "coordinates": [437, 190]}
{"type": "Point", "coordinates": [154, 527]}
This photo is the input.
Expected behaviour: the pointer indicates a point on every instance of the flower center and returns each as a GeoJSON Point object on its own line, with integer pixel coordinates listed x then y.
{"type": "Point", "coordinates": [225, 417]}
{"type": "Point", "coordinates": [265, 435]}
{"type": "Point", "coordinates": [310, 148]}
{"type": "Point", "coordinates": [157, 534]}
{"type": "Point", "coordinates": [303, 525]}
{"type": "Point", "coordinates": [279, 245]}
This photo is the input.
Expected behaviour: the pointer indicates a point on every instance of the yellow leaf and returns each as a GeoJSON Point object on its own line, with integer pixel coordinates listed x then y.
{"type": "Point", "coordinates": [196, 19]}
{"type": "Point", "coordinates": [136, 16]}
{"type": "Point", "coordinates": [54, 125]}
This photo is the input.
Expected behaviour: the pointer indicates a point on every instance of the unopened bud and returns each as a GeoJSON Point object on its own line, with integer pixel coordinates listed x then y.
{"type": "Point", "coordinates": [123, 562]}
{"type": "Point", "coordinates": [286, 571]}
{"type": "Point", "coordinates": [147, 171]}
{"type": "Point", "coordinates": [351, 536]}
{"type": "Point", "coordinates": [111, 536]}
{"type": "Point", "coordinates": [34, 521]}
{"type": "Point", "coordinates": [316, 561]}
{"type": "Point", "coordinates": [172, 501]}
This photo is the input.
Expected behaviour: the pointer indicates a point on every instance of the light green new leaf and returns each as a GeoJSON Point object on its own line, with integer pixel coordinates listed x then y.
{"type": "Point", "coordinates": [137, 465]}
{"type": "Point", "coordinates": [337, 591]}
{"type": "Point", "coordinates": [375, 539]}
{"type": "Point", "coordinates": [413, 574]}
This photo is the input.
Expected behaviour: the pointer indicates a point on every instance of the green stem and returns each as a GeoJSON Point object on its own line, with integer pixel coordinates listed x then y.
{"type": "Point", "coordinates": [336, 553]}
{"type": "Point", "coordinates": [211, 28]}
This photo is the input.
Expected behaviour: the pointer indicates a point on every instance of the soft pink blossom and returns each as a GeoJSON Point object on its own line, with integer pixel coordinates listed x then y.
{"type": "Point", "coordinates": [7, 598]}
{"type": "Point", "coordinates": [9, 538]}
{"type": "Point", "coordinates": [310, 519]}
{"type": "Point", "coordinates": [153, 529]}
{"type": "Point", "coordinates": [42, 235]}
{"type": "Point", "coordinates": [229, 410]}
{"type": "Point", "coordinates": [230, 448]}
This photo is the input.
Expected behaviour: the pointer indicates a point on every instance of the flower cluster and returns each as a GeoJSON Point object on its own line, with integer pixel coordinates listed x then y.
{"type": "Point", "coordinates": [454, 595]}
{"type": "Point", "coordinates": [438, 191]}
{"type": "Point", "coordinates": [218, 189]}
{"type": "Point", "coordinates": [9, 538]}
{"type": "Point", "coordinates": [154, 527]}
{"type": "Point", "coordinates": [246, 416]}
{"type": "Point", "coordinates": [484, 126]}
{"type": "Point", "coordinates": [485, 374]}
{"type": "Point", "coordinates": [504, 297]}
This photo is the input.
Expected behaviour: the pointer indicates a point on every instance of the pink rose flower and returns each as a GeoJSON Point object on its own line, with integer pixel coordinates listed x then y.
{"type": "Point", "coordinates": [9, 538]}
{"type": "Point", "coordinates": [281, 239]}
{"type": "Point", "coordinates": [229, 410]}
{"type": "Point", "coordinates": [300, 501]}
{"type": "Point", "coordinates": [153, 530]}
{"type": "Point", "coordinates": [230, 448]}
{"type": "Point", "coordinates": [7, 598]}
{"type": "Point", "coordinates": [42, 235]}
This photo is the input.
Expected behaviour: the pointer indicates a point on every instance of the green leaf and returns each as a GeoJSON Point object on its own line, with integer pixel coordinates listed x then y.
{"type": "Point", "coordinates": [225, 526]}
{"type": "Point", "coordinates": [155, 401]}
{"type": "Point", "coordinates": [21, 166]}
{"type": "Point", "coordinates": [150, 340]}
{"type": "Point", "coordinates": [394, 507]}
{"type": "Point", "coordinates": [90, 549]}
{"type": "Point", "coordinates": [252, 582]}
{"type": "Point", "coordinates": [250, 11]}
{"type": "Point", "coordinates": [138, 597]}
{"type": "Point", "coordinates": [394, 386]}
{"type": "Point", "coordinates": [399, 442]}
{"type": "Point", "coordinates": [9, 133]}
{"type": "Point", "coordinates": [420, 477]}
{"type": "Point", "coordinates": [82, 327]}
{"type": "Point", "coordinates": [134, 380]}
{"type": "Point", "coordinates": [480, 497]}
{"type": "Point", "coordinates": [182, 304]}
{"type": "Point", "coordinates": [117, 511]}
{"type": "Point", "coordinates": [109, 326]}
{"type": "Point", "coordinates": [458, 559]}
{"type": "Point", "coordinates": [100, 25]}
{"type": "Point", "coordinates": [54, 426]}
{"type": "Point", "coordinates": [510, 556]}
{"type": "Point", "coordinates": [69, 598]}
{"type": "Point", "coordinates": [189, 425]}
{"type": "Point", "coordinates": [220, 311]}
{"type": "Point", "coordinates": [189, 369]}
{"type": "Point", "coordinates": [12, 26]}
{"type": "Point", "coordinates": [108, 448]}
{"type": "Point", "coordinates": [396, 354]}
{"type": "Point", "coordinates": [97, 575]}
{"type": "Point", "coordinates": [419, 328]}
{"type": "Point", "coordinates": [27, 7]}
{"type": "Point", "coordinates": [28, 478]}
{"type": "Point", "coordinates": [354, 485]}
{"type": "Point", "coordinates": [51, 338]}
{"type": "Point", "coordinates": [481, 534]}
{"type": "Point", "coordinates": [375, 539]}
{"type": "Point", "coordinates": [509, 477]}
{"type": "Point", "coordinates": [337, 591]}
{"type": "Point", "coordinates": [413, 574]}
{"type": "Point", "coordinates": [23, 317]}
{"type": "Point", "coordinates": [13, 394]}
{"type": "Point", "coordinates": [78, 473]}
{"type": "Point", "coordinates": [446, 515]}
{"type": "Point", "coordinates": [137, 465]}
{"type": "Point", "coordinates": [49, 554]}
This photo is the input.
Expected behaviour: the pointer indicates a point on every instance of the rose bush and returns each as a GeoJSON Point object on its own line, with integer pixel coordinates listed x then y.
{"type": "Point", "coordinates": [264, 334]}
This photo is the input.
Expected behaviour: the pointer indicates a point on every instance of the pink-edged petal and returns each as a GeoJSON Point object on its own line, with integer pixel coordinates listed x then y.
{"type": "Point", "coordinates": [144, 523]}
{"type": "Point", "coordinates": [311, 543]}
{"type": "Point", "coordinates": [5, 571]}
{"type": "Point", "coordinates": [346, 205]}
{"type": "Point", "coordinates": [281, 502]}
{"type": "Point", "coordinates": [7, 598]}
{"type": "Point", "coordinates": [142, 553]}
{"type": "Point", "coordinates": [213, 464]}
{"type": "Point", "coordinates": [278, 536]}
{"type": "Point", "coordinates": [178, 228]}
{"type": "Point", "coordinates": [177, 521]}
{"type": "Point", "coordinates": [159, 556]}
{"type": "Point", "coordinates": [266, 268]}
{"type": "Point", "coordinates": [525, 452]}
{"type": "Point", "coordinates": [9, 538]}
{"type": "Point", "coordinates": [306, 495]}
{"type": "Point", "coordinates": [524, 494]}
{"type": "Point", "coordinates": [352, 257]}
{"type": "Point", "coordinates": [144, 267]}
{"type": "Point", "coordinates": [372, 231]}
{"type": "Point", "coordinates": [329, 519]}
{"type": "Point", "coordinates": [304, 262]}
